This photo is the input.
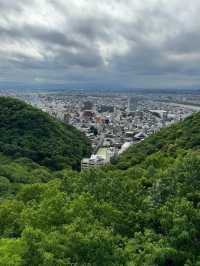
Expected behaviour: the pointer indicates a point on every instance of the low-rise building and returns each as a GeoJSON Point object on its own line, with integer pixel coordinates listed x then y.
{"type": "Point", "coordinates": [93, 161]}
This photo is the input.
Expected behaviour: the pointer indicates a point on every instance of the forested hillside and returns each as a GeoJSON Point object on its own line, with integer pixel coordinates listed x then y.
{"type": "Point", "coordinates": [142, 210]}
{"type": "Point", "coordinates": [170, 141]}
{"type": "Point", "coordinates": [28, 132]}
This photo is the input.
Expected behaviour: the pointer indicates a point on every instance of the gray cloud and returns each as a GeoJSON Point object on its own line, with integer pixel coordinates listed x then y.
{"type": "Point", "coordinates": [130, 43]}
{"type": "Point", "coordinates": [10, 5]}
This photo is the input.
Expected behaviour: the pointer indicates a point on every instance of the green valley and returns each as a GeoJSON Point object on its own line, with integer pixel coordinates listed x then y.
{"type": "Point", "coordinates": [144, 209]}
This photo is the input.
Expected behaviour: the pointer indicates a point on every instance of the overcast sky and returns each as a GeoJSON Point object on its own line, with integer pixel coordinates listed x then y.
{"type": "Point", "coordinates": [100, 43]}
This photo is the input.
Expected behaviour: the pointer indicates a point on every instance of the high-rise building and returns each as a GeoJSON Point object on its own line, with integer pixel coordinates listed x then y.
{"type": "Point", "coordinates": [133, 104]}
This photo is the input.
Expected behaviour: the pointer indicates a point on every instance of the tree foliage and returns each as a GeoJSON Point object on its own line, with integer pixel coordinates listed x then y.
{"type": "Point", "coordinates": [143, 210]}
{"type": "Point", "coordinates": [28, 132]}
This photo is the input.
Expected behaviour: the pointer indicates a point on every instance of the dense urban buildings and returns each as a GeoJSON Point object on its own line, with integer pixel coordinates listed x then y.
{"type": "Point", "coordinates": [114, 121]}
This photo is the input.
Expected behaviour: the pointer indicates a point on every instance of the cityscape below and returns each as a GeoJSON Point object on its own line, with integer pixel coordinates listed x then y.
{"type": "Point", "coordinates": [114, 121]}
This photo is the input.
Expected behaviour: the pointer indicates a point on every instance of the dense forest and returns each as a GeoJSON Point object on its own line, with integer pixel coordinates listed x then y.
{"type": "Point", "coordinates": [144, 209]}
{"type": "Point", "coordinates": [28, 132]}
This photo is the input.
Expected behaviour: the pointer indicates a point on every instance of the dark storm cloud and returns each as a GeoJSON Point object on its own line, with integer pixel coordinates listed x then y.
{"type": "Point", "coordinates": [126, 43]}
{"type": "Point", "coordinates": [28, 32]}
{"type": "Point", "coordinates": [61, 62]}
{"type": "Point", "coordinates": [185, 42]}
{"type": "Point", "coordinates": [13, 5]}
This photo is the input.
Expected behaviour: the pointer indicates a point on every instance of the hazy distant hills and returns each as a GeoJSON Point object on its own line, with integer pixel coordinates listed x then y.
{"type": "Point", "coordinates": [28, 132]}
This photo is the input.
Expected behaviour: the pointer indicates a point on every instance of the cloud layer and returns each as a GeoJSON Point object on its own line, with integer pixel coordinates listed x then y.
{"type": "Point", "coordinates": [100, 44]}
